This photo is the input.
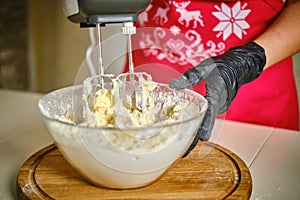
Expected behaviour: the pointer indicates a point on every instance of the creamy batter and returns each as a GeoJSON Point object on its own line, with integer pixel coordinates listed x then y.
{"type": "Point", "coordinates": [142, 128]}
{"type": "Point", "coordinates": [111, 108]}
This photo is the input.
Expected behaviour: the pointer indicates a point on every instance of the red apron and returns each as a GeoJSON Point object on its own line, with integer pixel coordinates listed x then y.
{"type": "Point", "coordinates": [173, 36]}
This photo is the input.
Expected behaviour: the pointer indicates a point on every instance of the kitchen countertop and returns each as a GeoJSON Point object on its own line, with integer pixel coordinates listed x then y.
{"type": "Point", "coordinates": [272, 154]}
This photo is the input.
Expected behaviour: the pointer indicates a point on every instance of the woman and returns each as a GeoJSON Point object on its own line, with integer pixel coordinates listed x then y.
{"type": "Point", "coordinates": [184, 33]}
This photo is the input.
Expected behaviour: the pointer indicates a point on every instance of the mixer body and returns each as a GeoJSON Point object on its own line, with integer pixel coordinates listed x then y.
{"type": "Point", "coordinates": [90, 12]}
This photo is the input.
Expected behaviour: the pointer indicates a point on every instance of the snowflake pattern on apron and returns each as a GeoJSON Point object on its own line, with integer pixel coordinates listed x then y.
{"type": "Point", "coordinates": [182, 50]}
{"type": "Point", "coordinates": [232, 20]}
{"type": "Point", "coordinates": [180, 42]}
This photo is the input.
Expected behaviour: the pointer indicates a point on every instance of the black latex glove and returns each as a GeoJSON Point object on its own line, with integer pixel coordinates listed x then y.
{"type": "Point", "coordinates": [223, 75]}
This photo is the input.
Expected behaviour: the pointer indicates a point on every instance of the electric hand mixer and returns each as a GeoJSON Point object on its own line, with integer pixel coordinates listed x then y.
{"type": "Point", "coordinates": [97, 13]}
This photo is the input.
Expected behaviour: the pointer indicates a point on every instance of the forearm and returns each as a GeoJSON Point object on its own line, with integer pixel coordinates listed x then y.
{"type": "Point", "coordinates": [282, 38]}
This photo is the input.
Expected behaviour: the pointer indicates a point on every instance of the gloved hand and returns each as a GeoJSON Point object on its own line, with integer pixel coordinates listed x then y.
{"type": "Point", "coordinates": [223, 75]}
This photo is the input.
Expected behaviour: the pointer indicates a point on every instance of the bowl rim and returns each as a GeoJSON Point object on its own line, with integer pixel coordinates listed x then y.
{"type": "Point", "coordinates": [203, 108]}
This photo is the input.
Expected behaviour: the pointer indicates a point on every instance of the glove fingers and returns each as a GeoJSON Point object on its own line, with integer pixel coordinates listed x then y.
{"type": "Point", "coordinates": [194, 75]}
{"type": "Point", "coordinates": [186, 80]}
{"type": "Point", "coordinates": [204, 131]}
{"type": "Point", "coordinates": [192, 146]}
{"type": "Point", "coordinates": [216, 96]}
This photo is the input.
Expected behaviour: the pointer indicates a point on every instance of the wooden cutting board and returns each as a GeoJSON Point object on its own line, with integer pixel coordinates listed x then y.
{"type": "Point", "coordinates": [219, 175]}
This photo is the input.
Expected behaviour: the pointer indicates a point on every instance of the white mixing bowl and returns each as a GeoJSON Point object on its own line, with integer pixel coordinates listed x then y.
{"type": "Point", "coordinates": [111, 157]}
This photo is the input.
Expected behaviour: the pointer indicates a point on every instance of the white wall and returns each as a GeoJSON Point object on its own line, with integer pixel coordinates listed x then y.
{"type": "Point", "coordinates": [58, 46]}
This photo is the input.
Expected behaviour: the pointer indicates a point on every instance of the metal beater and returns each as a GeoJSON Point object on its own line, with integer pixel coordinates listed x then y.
{"type": "Point", "coordinates": [97, 13]}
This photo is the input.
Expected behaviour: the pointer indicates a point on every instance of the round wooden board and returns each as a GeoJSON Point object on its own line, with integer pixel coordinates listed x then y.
{"type": "Point", "coordinates": [219, 175]}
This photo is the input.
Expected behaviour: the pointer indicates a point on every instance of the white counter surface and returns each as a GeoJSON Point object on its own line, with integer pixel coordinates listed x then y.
{"type": "Point", "coordinates": [272, 155]}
